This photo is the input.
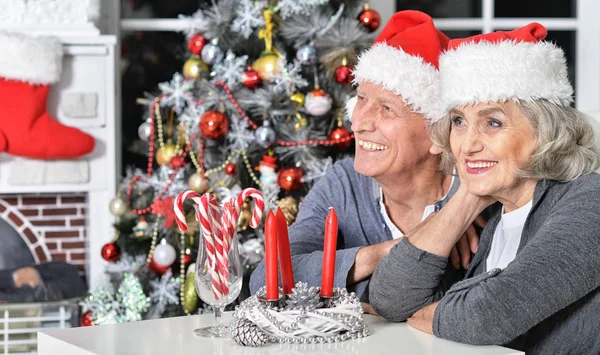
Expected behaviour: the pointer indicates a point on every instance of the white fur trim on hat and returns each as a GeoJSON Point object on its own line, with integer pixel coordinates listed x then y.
{"type": "Point", "coordinates": [508, 70]}
{"type": "Point", "coordinates": [404, 74]}
{"type": "Point", "coordinates": [350, 104]}
{"type": "Point", "coordinates": [36, 60]}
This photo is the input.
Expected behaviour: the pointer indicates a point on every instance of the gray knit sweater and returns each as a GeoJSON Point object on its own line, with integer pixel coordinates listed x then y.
{"type": "Point", "coordinates": [546, 301]}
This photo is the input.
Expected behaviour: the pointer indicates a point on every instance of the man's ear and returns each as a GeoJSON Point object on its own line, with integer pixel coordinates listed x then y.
{"type": "Point", "coordinates": [435, 150]}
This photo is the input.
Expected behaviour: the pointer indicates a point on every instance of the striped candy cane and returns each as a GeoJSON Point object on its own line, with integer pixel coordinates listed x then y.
{"type": "Point", "coordinates": [222, 262]}
{"type": "Point", "coordinates": [259, 205]}
{"type": "Point", "coordinates": [205, 219]}
{"type": "Point", "coordinates": [178, 207]}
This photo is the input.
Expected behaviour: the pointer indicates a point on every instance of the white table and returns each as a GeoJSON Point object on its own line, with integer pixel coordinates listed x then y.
{"type": "Point", "coordinates": [174, 336]}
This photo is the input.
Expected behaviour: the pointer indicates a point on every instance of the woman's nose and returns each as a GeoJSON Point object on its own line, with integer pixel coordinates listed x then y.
{"type": "Point", "coordinates": [472, 141]}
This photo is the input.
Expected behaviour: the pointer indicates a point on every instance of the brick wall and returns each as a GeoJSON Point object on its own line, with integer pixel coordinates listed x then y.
{"type": "Point", "coordinates": [52, 225]}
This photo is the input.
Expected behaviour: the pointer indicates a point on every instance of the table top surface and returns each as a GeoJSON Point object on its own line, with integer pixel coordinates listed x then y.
{"type": "Point", "coordinates": [174, 336]}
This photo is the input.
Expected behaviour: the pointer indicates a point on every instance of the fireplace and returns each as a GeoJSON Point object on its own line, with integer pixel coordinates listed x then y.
{"type": "Point", "coordinates": [36, 228]}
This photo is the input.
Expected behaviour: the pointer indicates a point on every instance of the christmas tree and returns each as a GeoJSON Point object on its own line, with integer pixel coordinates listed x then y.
{"type": "Point", "coordinates": [260, 102]}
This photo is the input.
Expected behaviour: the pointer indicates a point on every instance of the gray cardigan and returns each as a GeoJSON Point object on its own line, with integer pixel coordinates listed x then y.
{"type": "Point", "coordinates": [546, 301]}
{"type": "Point", "coordinates": [356, 201]}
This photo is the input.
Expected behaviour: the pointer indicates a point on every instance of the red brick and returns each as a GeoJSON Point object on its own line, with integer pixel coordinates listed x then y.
{"type": "Point", "coordinates": [73, 245]}
{"type": "Point", "coordinates": [39, 200]}
{"type": "Point", "coordinates": [77, 222]}
{"type": "Point", "coordinates": [40, 253]}
{"type": "Point", "coordinates": [52, 246]}
{"type": "Point", "coordinates": [77, 256]}
{"type": "Point", "coordinates": [30, 213]}
{"type": "Point", "coordinates": [62, 234]}
{"type": "Point", "coordinates": [72, 199]}
{"type": "Point", "coordinates": [16, 220]}
{"type": "Point", "coordinates": [11, 200]}
{"type": "Point", "coordinates": [2, 208]}
{"type": "Point", "coordinates": [50, 223]}
{"type": "Point", "coordinates": [83, 211]}
{"type": "Point", "coordinates": [32, 237]}
{"type": "Point", "coordinates": [59, 256]}
{"type": "Point", "coordinates": [59, 212]}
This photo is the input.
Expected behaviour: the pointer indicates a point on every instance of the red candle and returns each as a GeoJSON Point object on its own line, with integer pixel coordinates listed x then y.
{"type": "Point", "coordinates": [329, 248]}
{"type": "Point", "coordinates": [285, 257]}
{"type": "Point", "coordinates": [271, 257]}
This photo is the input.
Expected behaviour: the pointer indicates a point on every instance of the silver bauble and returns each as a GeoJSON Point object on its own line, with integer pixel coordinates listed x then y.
{"type": "Point", "coordinates": [117, 206]}
{"type": "Point", "coordinates": [307, 54]}
{"type": "Point", "coordinates": [265, 136]}
{"type": "Point", "coordinates": [212, 54]}
{"type": "Point", "coordinates": [144, 131]}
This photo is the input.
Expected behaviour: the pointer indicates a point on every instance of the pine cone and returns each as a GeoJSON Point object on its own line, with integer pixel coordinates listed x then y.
{"type": "Point", "coordinates": [304, 297]}
{"type": "Point", "coordinates": [247, 333]}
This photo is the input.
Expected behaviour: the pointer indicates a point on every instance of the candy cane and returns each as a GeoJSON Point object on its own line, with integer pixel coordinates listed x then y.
{"type": "Point", "coordinates": [205, 219]}
{"type": "Point", "coordinates": [229, 221]}
{"type": "Point", "coordinates": [178, 207]}
{"type": "Point", "coordinates": [259, 205]}
{"type": "Point", "coordinates": [222, 261]}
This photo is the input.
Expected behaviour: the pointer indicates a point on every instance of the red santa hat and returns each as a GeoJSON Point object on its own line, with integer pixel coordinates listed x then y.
{"type": "Point", "coordinates": [500, 66]}
{"type": "Point", "coordinates": [404, 59]}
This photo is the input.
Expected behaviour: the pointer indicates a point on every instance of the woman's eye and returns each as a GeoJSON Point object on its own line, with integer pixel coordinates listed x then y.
{"type": "Point", "coordinates": [492, 122]}
{"type": "Point", "coordinates": [457, 121]}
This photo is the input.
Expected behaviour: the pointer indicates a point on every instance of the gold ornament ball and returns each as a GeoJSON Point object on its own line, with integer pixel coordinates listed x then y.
{"type": "Point", "coordinates": [117, 207]}
{"type": "Point", "coordinates": [190, 298]}
{"type": "Point", "coordinates": [165, 153]}
{"type": "Point", "coordinates": [266, 65]}
{"type": "Point", "coordinates": [193, 68]}
{"type": "Point", "coordinates": [198, 183]}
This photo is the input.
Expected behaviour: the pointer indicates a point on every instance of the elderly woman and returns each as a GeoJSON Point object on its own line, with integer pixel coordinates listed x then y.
{"type": "Point", "coordinates": [521, 149]}
{"type": "Point", "coordinates": [393, 182]}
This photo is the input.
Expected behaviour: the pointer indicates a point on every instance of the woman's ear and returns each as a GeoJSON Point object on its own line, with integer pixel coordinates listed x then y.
{"type": "Point", "coordinates": [435, 150]}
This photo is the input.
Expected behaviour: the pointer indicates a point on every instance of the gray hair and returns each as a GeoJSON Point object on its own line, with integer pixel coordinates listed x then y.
{"type": "Point", "coordinates": [565, 142]}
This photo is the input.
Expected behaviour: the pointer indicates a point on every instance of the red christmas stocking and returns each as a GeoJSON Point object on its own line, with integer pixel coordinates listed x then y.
{"type": "Point", "coordinates": [28, 66]}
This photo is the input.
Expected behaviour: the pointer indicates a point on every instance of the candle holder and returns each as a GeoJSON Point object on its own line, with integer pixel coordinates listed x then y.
{"type": "Point", "coordinates": [301, 317]}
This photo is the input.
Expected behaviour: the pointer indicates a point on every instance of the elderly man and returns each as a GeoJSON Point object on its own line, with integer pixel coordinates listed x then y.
{"type": "Point", "coordinates": [394, 182]}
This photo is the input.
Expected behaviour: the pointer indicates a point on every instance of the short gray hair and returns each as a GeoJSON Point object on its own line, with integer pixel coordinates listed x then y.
{"type": "Point", "coordinates": [565, 142]}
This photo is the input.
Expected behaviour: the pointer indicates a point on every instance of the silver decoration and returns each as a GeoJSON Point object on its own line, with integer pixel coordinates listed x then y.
{"type": "Point", "coordinates": [230, 70]}
{"type": "Point", "coordinates": [144, 131]}
{"type": "Point", "coordinates": [212, 53]}
{"type": "Point", "coordinates": [177, 93]}
{"type": "Point", "coordinates": [307, 54]}
{"type": "Point", "coordinates": [265, 136]}
{"type": "Point", "coordinates": [287, 8]}
{"type": "Point", "coordinates": [300, 318]}
{"type": "Point", "coordinates": [248, 17]}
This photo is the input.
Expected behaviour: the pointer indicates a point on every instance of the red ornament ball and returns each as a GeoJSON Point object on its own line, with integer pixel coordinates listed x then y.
{"type": "Point", "coordinates": [251, 78]}
{"type": "Point", "coordinates": [230, 169]}
{"type": "Point", "coordinates": [214, 124]}
{"type": "Point", "coordinates": [187, 260]}
{"type": "Point", "coordinates": [196, 43]}
{"type": "Point", "coordinates": [370, 19]}
{"type": "Point", "coordinates": [111, 252]}
{"type": "Point", "coordinates": [86, 319]}
{"type": "Point", "coordinates": [290, 179]}
{"type": "Point", "coordinates": [340, 133]}
{"type": "Point", "coordinates": [343, 75]}
{"type": "Point", "coordinates": [177, 162]}
{"type": "Point", "coordinates": [157, 268]}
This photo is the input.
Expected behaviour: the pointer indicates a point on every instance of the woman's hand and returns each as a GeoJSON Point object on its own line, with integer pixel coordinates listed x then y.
{"type": "Point", "coordinates": [467, 244]}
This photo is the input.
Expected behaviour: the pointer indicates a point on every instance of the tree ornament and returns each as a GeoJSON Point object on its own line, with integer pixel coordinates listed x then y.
{"type": "Point", "coordinates": [265, 135]}
{"type": "Point", "coordinates": [144, 131]}
{"type": "Point", "coordinates": [156, 268]}
{"type": "Point", "coordinates": [268, 176]}
{"type": "Point", "coordinates": [86, 319]}
{"type": "Point", "coordinates": [117, 206]}
{"type": "Point", "coordinates": [190, 297]}
{"type": "Point", "coordinates": [197, 182]}
{"type": "Point", "coordinates": [290, 179]}
{"type": "Point", "coordinates": [193, 68]}
{"type": "Point", "coordinates": [246, 333]}
{"type": "Point", "coordinates": [165, 153]}
{"type": "Point", "coordinates": [187, 258]}
{"type": "Point", "coordinates": [177, 162]}
{"type": "Point", "coordinates": [230, 169]}
{"type": "Point", "coordinates": [289, 206]}
{"type": "Point", "coordinates": [369, 18]}
{"type": "Point", "coordinates": [298, 98]}
{"type": "Point", "coordinates": [307, 54]}
{"type": "Point", "coordinates": [251, 78]}
{"type": "Point", "coordinates": [343, 74]}
{"type": "Point", "coordinates": [340, 133]}
{"type": "Point", "coordinates": [111, 252]}
{"type": "Point", "coordinates": [318, 102]}
{"type": "Point", "coordinates": [267, 65]}
{"type": "Point", "coordinates": [305, 297]}
{"type": "Point", "coordinates": [212, 53]}
{"type": "Point", "coordinates": [142, 228]}
{"type": "Point", "coordinates": [164, 254]}
{"type": "Point", "coordinates": [245, 217]}
{"type": "Point", "coordinates": [196, 43]}
{"type": "Point", "coordinates": [214, 124]}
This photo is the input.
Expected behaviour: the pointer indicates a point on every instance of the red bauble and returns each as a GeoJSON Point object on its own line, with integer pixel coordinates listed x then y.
{"type": "Point", "coordinates": [343, 75]}
{"type": "Point", "coordinates": [214, 124]}
{"type": "Point", "coordinates": [230, 169]}
{"type": "Point", "coordinates": [187, 260]}
{"type": "Point", "coordinates": [370, 19]}
{"type": "Point", "coordinates": [157, 268]}
{"type": "Point", "coordinates": [251, 78]}
{"type": "Point", "coordinates": [290, 179]}
{"type": "Point", "coordinates": [340, 133]}
{"type": "Point", "coordinates": [111, 252]}
{"type": "Point", "coordinates": [177, 162]}
{"type": "Point", "coordinates": [86, 319]}
{"type": "Point", "coordinates": [196, 43]}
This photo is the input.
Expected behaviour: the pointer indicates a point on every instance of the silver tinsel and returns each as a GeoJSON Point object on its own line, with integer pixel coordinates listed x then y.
{"type": "Point", "coordinates": [316, 169]}
{"type": "Point", "coordinates": [289, 79]}
{"type": "Point", "coordinates": [288, 8]}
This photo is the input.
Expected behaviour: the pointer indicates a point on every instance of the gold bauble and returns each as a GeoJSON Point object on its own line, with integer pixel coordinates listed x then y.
{"type": "Point", "coordinates": [190, 298]}
{"type": "Point", "coordinates": [298, 98]}
{"type": "Point", "coordinates": [266, 65]}
{"type": "Point", "coordinates": [194, 67]}
{"type": "Point", "coordinates": [198, 183]}
{"type": "Point", "coordinates": [245, 217]}
{"type": "Point", "coordinates": [289, 206]}
{"type": "Point", "coordinates": [165, 153]}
